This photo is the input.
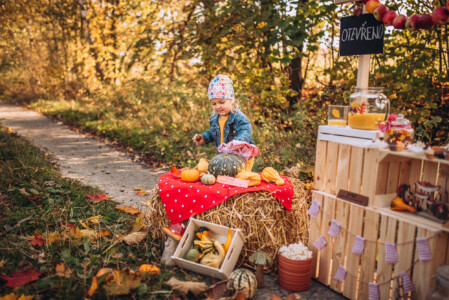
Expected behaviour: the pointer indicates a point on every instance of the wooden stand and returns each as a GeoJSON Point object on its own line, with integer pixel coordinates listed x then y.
{"type": "Point", "coordinates": [375, 173]}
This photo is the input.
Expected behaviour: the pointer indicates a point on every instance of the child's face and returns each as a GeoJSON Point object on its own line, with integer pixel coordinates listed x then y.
{"type": "Point", "coordinates": [221, 106]}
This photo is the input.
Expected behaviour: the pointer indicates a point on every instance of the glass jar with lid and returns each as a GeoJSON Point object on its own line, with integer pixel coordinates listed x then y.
{"type": "Point", "coordinates": [400, 133]}
{"type": "Point", "coordinates": [367, 108]}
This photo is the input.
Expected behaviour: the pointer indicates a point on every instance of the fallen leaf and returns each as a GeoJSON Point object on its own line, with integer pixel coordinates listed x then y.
{"type": "Point", "coordinates": [151, 269]}
{"type": "Point", "coordinates": [103, 233]}
{"type": "Point", "coordinates": [139, 224]}
{"type": "Point", "coordinates": [23, 297]}
{"type": "Point", "coordinates": [84, 224]}
{"type": "Point", "coordinates": [35, 197]}
{"type": "Point", "coordinates": [88, 233]}
{"type": "Point", "coordinates": [129, 209]}
{"type": "Point", "coordinates": [275, 297]}
{"type": "Point", "coordinates": [96, 198]}
{"type": "Point", "coordinates": [37, 240]}
{"type": "Point", "coordinates": [24, 192]}
{"type": "Point", "coordinates": [2, 263]}
{"type": "Point", "coordinates": [53, 237]}
{"type": "Point", "coordinates": [135, 238]}
{"type": "Point", "coordinates": [20, 278]}
{"type": "Point", "coordinates": [123, 282]}
{"type": "Point", "coordinates": [184, 287]}
{"type": "Point", "coordinates": [293, 296]}
{"type": "Point", "coordinates": [175, 172]}
{"type": "Point", "coordinates": [138, 188]}
{"type": "Point", "coordinates": [56, 212]}
{"type": "Point", "coordinates": [95, 219]}
{"type": "Point", "coordinates": [142, 193]}
{"type": "Point", "coordinates": [11, 296]}
{"type": "Point", "coordinates": [63, 271]}
{"type": "Point", "coordinates": [94, 284]}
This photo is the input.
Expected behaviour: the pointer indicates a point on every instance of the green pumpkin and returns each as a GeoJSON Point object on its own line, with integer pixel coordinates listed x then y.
{"type": "Point", "coordinates": [208, 179]}
{"type": "Point", "coordinates": [243, 281]}
{"type": "Point", "coordinates": [193, 255]}
{"type": "Point", "coordinates": [226, 164]}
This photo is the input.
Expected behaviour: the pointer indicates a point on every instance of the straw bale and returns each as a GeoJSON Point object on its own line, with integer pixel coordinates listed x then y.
{"type": "Point", "coordinates": [265, 223]}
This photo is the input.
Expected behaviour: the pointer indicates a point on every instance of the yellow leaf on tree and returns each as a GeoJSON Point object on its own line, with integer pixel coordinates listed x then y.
{"type": "Point", "coordinates": [62, 271]}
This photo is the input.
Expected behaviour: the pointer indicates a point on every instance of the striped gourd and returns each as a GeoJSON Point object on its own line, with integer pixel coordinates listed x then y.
{"type": "Point", "coordinates": [243, 281]}
{"type": "Point", "coordinates": [226, 164]}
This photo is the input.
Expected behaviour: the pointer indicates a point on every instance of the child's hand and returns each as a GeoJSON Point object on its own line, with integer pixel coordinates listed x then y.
{"type": "Point", "coordinates": [198, 139]}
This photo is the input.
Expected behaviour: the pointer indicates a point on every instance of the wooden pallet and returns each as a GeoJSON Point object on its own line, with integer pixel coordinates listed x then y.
{"type": "Point", "coordinates": [377, 227]}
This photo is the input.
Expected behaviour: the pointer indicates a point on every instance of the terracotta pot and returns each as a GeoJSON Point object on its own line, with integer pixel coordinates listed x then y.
{"type": "Point", "coordinates": [294, 275]}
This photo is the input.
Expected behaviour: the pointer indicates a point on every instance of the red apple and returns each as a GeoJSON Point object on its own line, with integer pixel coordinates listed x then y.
{"type": "Point", "coordinates": [379, 12]}
{"type": "Point", "coordinates": [371, 5]}
{"type": "Point", "coordinates": [399, 22]}
{"type": "Point", "coordinates": [412, 23]}
{"type": "Point", "coordinates": [440, 16]}
{"type": "Point", "coordinates": [425, 22]}
{"type": "Point", "coordinates": [389, 17]}
{"type": "Point", "coordinates": [357, 11]}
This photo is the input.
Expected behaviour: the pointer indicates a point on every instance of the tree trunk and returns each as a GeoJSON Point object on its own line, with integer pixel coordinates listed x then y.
{"type": "Point", "coordinates": [296, 79]}
{"type": "Point", "coordinates": [93, 50]}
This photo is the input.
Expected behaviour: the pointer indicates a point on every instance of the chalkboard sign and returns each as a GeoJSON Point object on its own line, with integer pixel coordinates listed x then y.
{"type": "Point", "coordinates": [361, 34]}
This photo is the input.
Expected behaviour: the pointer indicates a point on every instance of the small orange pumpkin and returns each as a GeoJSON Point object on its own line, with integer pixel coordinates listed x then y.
{"type": "Point", "coordinates": [191, 175]}
{"type": "Point", "coordinates": [254, 178]}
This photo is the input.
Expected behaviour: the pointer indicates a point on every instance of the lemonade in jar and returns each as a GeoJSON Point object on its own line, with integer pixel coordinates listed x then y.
{"type": "Point", "coordinates": [368, 107]}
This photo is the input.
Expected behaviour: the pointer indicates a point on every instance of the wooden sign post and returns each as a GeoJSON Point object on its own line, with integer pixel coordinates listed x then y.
{"type": "Point", "coordinates": [363, 68]}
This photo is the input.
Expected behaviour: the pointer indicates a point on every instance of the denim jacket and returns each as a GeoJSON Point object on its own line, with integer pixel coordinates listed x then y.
{"type": "Point", "coordinates": [237, 128]}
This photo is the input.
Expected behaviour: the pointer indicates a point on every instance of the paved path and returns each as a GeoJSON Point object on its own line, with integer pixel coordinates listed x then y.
{"type": "Point", "coordinates": [96, 164]}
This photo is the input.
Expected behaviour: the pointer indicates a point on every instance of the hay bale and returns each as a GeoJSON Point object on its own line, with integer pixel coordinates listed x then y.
{"type": "Point", "coordinates": [265, 223]}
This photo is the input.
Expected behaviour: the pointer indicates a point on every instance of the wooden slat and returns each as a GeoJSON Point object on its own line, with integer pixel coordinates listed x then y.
{"type": "Point", "coordinates": [369, 173]}
{"type": "Point", "coordinates": [331, 168]}
{"type": "Point", "coordinates": [415, 172]}
{"type": "Point", "coordinates": [393, 176]}
{"type": "Point", "coordinates": [355, 227]}
{"type": "Point", "coordinates": [404, 172]}
{"type": "Point", "coordinates": [384, 269]}
{"type": "Point", "coordinates": [325, 253]}
{"type": "Point", "coordinates": [443, 181]}
{"type": "Point", "coordinates": [320, 165]}
{"type": "Point", "coordinates": [315, 232]}
{"type": "Point", "coordinates": [344, 154]}
{"type": "Point", "coordinates": [382, 178]}
{"type": "Point", "coordinates": [367, 265]}
{"type": "Point", "coordinates": [356, 169]}
{"type": "Point", "coordinates": [423, 270]}
{"type": "Point", "coordinates": [340, 243]}
{"type": "Point", "coordinates": [430, 172]}
{"type": "Point", "coordinates": [405, 242]}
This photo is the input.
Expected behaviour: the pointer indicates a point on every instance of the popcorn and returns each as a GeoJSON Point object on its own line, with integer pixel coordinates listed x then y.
{"type": "Point", "coordinates": [296, 251]}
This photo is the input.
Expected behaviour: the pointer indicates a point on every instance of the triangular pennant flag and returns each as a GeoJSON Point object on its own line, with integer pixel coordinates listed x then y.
{"type": "Point", "coordinates": [373, 291]}
{"type": "Point", "coordinates": [335, 229]}
{"type": "Point", "coordinates": [391, 254]}
{"type": "Point", "coordinates": [314, 208]}
{"type": "Point", "coordinates": [359, 245]}
{"type": "Point", "coordinates": [340, 275]}
{"type": "Point", "coordinates": [423, 249]}
{"type": "Point", "coordinates": [407, 284]}
{"type": "Point", "coordinates": [320, 243]}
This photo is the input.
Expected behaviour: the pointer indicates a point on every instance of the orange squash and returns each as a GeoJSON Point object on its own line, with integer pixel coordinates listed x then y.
{"type": "Point", "coordinates": [272, 176]}
{"type": "Point", "coordinates": [191, 175]}
{"type": "Point", "coordinates": [399, 204]}
{"type": "Point", "coordinates": [254, 178]}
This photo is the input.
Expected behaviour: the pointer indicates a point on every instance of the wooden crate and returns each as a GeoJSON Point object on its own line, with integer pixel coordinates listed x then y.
{"type": "Point", "coordinates": [345, 159]}
{"type": "Point", "coordinates": [377, 227]}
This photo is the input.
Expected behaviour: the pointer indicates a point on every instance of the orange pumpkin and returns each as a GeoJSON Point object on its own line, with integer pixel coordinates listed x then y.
{"type": "Point", "coordinates": [190, 175]}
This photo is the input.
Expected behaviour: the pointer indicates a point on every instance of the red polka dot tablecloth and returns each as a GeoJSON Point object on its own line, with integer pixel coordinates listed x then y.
{"type": "Point", "coordinates": [183, 200]}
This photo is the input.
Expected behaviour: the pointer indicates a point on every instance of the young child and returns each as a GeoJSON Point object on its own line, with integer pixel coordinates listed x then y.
{"type": "Point", "coordinates": [227, 123]}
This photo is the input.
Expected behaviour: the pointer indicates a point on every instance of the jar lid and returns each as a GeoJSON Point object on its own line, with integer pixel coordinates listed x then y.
{"type": "Point", "coordinates": [401, 122]}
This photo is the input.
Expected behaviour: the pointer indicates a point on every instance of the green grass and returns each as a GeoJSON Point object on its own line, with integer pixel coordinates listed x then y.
{"type": "Point", "coordinates": [26, 173]}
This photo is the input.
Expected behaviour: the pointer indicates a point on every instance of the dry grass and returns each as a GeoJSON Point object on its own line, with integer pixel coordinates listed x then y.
{"type": "Point", "coordinates": [265, 223]}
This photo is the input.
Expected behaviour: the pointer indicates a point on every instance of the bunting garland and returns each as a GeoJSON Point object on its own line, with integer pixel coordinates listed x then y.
{"type": "Point", "coordinates": [423, 249]}
{"type": "Point", "coordinates": [391, 254]}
